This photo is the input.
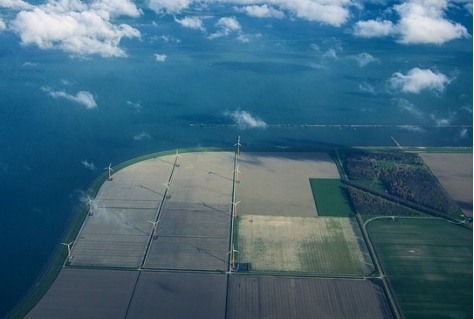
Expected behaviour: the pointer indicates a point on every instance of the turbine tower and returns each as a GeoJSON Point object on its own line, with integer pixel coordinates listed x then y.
{"type": "Point", "coordinates": [69, 257]}
{"type": "Point", "coordinates": [90, 202]}
{"type": "Point", "coordinates": [155, 224]}
{"type": "Point", "coordinates": [238, 144]}
{"type": "Point", "coordinates": [110, 170]}
{"type": "Point", "coordinates": [232, 256]}
{"type": "Point", "coordinates": [167, 191]}
{"type": "Point", "coordinates": [176, 164]}
{"type": "Point", "coordinates": [237, 172]}
{"type": "Point", "coordinates": [234, 206]}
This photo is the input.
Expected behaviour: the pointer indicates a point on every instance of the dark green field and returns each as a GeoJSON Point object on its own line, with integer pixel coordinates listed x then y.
{"type": "Point", "coordinates": [331, 197]}
{"type": "Point", "coordinates": [429, 265]}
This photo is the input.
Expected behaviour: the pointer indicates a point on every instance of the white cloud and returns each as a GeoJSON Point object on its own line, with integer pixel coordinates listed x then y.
{"type": "Point", "coordinates": [263, 11]}
{"type": "Point", "coordinates": [226, 26]}
{"type": "Point", "coordinates": [244, 119]}
{"type": "Point", "coordinates": [421, 21]}
{"type": "Point", "coordinates": [75, 27]}
{"type": "Point", "coordinates": [160, 57]}
{"type": "Point", "coordinates": [366, 87]}
{"type": "Point", "coordinates": [168, 6]}
{"type": "Point", "coordinates": [117, 7]}
{"type": "Point", "coordinates": [82, 97]}
{"type": "Point", "coordinates": [15, 4]}
{"type": "Point", "coordinates": [89, 165]}
{"type": "Point", "coordinates": [417, 80]}
{"type": "Point", "coordinates": [463, 133]}
{"type": "Point", "coordinates": [363, 59]}
{"type": "Point", "coordinates": [406, 106]}
{"type": "Point", "coordinates": [373, 28]}
{"type": "Point", "coordinates": [3, 26]}
{"type": "Point", "coordinates": [135, 105]}
{"type": "Point", "coordinates": [191, 22]}
{"type": "Point", "coordinates": [142, 136]}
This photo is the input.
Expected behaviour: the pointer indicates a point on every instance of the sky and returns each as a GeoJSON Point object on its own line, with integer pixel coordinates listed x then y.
{"type": "Point", "coordinates": [86, 83]}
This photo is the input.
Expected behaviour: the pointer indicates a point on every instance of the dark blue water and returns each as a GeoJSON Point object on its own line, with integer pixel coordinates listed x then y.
{"type": "Point", "coordinates": [290, 71]}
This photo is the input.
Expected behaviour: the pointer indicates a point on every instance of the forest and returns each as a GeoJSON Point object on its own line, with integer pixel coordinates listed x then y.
{"type": "Point", "coordinates": [400, 178]}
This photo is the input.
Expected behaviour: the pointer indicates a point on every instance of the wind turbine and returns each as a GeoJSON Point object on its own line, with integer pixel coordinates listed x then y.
{"type": "Point", "coordinates": [236, 172]}
{"type": "Point", "coordinates": [232, 256]}
{"type": "Point", "coordinates": [155, 235]}
{"type": "Point", "coordinates": [238, 144]}
{"type": "Point", "coordinates": [176, 164]}
{"type": "Point", "coordinates": [110, 170]}
{"type": "Point", "coordinates": [69, 257]}
{"type": "Point", "coordinates": [235, 208]}
{"type": "Point", "coordinates": [167, 192]}
{"type": "Point", "coordinates": [90, 202]}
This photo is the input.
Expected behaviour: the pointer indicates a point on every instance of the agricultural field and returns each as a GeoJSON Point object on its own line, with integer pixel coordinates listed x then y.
{"type": "Point", "coordinates": [429, 265]}
{"type": "Point", "coordinates": [331, 197]}
{"type": "Point", "coordinates": [317, 245]}
{"type": "Point", "coordinates": [279, 297]}
{"type": "Point", "coordinates": [454, 171]}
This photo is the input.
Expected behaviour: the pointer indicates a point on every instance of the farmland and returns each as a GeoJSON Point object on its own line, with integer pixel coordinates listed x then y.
{"type": "Point", "coordinates": [429, 265]}
{"type": "Point", "coordinates": [319, 245]}
{"type": "Point", "coordinates": [331, 197]}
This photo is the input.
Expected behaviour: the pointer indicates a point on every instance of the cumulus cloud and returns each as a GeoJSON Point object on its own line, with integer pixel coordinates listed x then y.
{"type": "Point", "coordinates": [168, 6]}
{"type": "Point", "coordinates": [417, 80]}
{"type": "Point", "coordinates": [89, 165]}
{"type": "Point", "coordinates": [82, 97]}
{"type": "Point", "coordinates": [334, 12]}
{"type": "Point", "coordinates": [363, 59]}
{"type": "Point", "coordinates": [15, 4]}
{"type": "Point", "coordinates": [366, 87]}
{"type": "Point", "coordinates": [421, 21]}
{"type": "Point", "coordinates": [244, 119]}
{"type": "Point", "coordinates": [160, 57]}
{"type": "Point", "coordinates": [135, 105]}
{"type": "Point", "coordinates": [263, 11]}
{"type": "Point", "coordinates": [3, 26]}
{"type": "Point", "coordinates": [75, 27]}
{"type": "Point", "coordinates": [406, 106]}
{"type": "Point", "coordinates": [191, 22]}
{"type": "Point", "coordinates": [226, 26]}
{"type": "Point", "coordinates": [373, 28]}
{"type": "Point", "coordinates": [142, 136]}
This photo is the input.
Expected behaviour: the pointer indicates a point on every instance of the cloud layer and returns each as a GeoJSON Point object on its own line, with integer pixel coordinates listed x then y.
{"type": "Point", "coordinates": [244, 119]}
{"type": "Point", "coordinates": [417, 80]}
{"type": "Point", "coordinates": [82, 97]}
{"type": "Point", "coordinates": [421, 21]}
{"type": "Point", "coordinates": [75, 27]}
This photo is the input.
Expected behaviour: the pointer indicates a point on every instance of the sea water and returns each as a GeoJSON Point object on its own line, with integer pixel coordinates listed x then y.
{"type": "Point", "coordinates": [289, 77]}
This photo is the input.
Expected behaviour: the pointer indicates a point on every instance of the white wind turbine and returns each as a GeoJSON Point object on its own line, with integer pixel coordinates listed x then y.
{"type": "Point", "coordinates": [238, 144]}
{"type": "Point", "coordinates": [237, 172]}
{"type": "Point", "coordinates": [232, 256]}
{"type": "Point", "coordinates": [176, 164]}
{"type": "Point", "coordinates": [167, 192]}
{"type": "Point", "coordinates": [155, 230]}
{"type": "Point", "coordinates": [69, 257]}
{"type": "Point", "coordinates": [234, 206]}
{"type": "Point", "coordinates": [90, 203]}
{"type": "Point", "coordinates": [110, 170]}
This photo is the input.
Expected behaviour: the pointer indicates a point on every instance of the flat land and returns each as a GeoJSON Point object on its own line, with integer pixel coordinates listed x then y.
{"type": "Point", "coordinates": [254, 297]}
{"type": "Point", "coordinates": [331, 197]}
{"type": "Point", "coordinates": [281, 179]}
{"type": "Point", "coordinates": [179, 295]}
{"type": "Point", "coordinates": [87, 293]}
{"type": "Point", "coordinates": [454, 171]}
{"type": "Point", "coordinates": [117, 233]}
{"type": "Point", "coordinates": [319, 245]}
{"type": "Point", "coordinates": [429, 265]}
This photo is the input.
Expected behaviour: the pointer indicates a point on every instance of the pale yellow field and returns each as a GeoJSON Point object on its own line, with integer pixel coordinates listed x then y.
{"type": "Point", "coordinates": [319, 245]}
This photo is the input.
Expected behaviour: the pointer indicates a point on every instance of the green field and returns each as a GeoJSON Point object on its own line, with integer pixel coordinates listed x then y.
{"type": "Point", "coordinates": [331, 197]}
{"type": "Point", "coordinates": [429, 265]}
